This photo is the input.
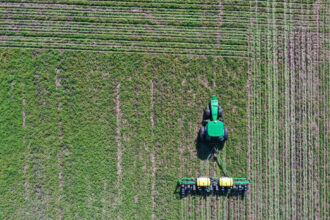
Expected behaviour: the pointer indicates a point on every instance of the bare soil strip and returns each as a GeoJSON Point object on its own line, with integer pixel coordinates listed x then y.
{"type": "Point", "coordinates": [61, 150]}
{"type": "Point", "coordinates": [26, 183]}
{"type": "Point", "coordinates": [249, 89]}
{"type": "Point", "coordinates": [310, 71]}
{"type": "Point", "coordinates": [287, 134]}
{"type": "Point", "coordinates": [23, 104]}
{"type": "Point", "coordinates": [105, 187]}
{"type": "Point", "coordinates": [269, 118]}
{"type": "Point", "coordinates": [316, 210]}
{"type": "Point", "coordinates": [153, 156]}
{"type": "Point", "coordinates": [118, 139]}
{"type": "Point", "coordinates": [60, 176]}
{"type": "Point", "coordinates": [301, 128]}
{"type": "Point", "coordinates": [325, 95]}
{"type": "Point", "coordinates": [259, 186]}
{"type": "Point", "coordinates": [275, 153]}
{"type": "Point", "coordinates": [307, 153]}
{"type": "Point", "coordinates": [293, 125]}
{"type": "Point", "coordinates": [119, 144]}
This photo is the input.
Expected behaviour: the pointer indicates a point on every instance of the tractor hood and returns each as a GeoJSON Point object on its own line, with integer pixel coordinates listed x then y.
{"type": "Point", "coordinates": [214, 107]}
{"type": "Point", "coordinates": [215, 129]}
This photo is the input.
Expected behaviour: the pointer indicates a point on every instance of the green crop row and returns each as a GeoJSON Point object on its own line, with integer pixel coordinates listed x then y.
{"type": "Point", "coordinates": [238, 39]}
{"type": "Point", "coordinates": [145, 40]}
{"type": "Point", "coordinates": [71, 47]}
{"type": "Point", "coordinates": [127, 4]}
{"type": "Point", "coordinates": [128, 27]}
{"type": "Point", "coordinates": [119, 48]}
{"type": "Point", "coordinates": [123, 20]}
{"type": "Point", "coordinates": [115, 12]}
{"type": "Point", "coordinates": [144, 15]}
{"type": "Point", "coordinates": [259, 4]}
{"type": "Point", "coordinates": [132, 19]}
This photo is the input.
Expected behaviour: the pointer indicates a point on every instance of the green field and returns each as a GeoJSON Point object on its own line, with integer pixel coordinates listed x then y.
{"type": "Point", "coordinates": [101, 104]}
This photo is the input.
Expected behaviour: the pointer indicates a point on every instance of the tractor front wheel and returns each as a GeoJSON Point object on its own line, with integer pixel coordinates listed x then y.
{"type": "Point", "coordinates": [225, 133]}
{"type": "Point", "coordinates": [219, 112]}
{"type": "Point", "coordinates": [202, 133]}
{"type": "Point", "coordinates": [204, 122]}
{"type": "Point", "coordinates": [207, 114]}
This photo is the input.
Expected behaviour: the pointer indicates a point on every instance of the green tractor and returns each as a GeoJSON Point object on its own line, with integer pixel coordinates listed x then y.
{"type": "Point", "coordinates": [213, 129]}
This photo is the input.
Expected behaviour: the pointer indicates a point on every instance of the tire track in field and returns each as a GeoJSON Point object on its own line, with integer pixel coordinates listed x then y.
{"type": "Point", "coordinates": [260, 190]}
{"type": "Point", "coordinates": [325, 95]}
{"type": "Point", "coordinates": [251, 116]}
{"type": "Point", "coordinates": [316, 211]}
{"type": "Point", "coordinates": [299, 118]}
{"type": "Point", "coordinates": [26, 166]}
{"type": "Point", "coordinates": [258, 186]}
{"type": "Point", "coordinates": [61, 150]}
{"type": "Point", "coordinates": [316, 119]}
{"type": "Point", "coordinates": [275, 153]}
{"type": "Point", "coordinates": [119, 147]}
{"type": "Point", "coordinates": [26, 151]}
{"type": "Point", "coordinates": [311, 126]}
{"type": "Point", "coordinates": [323, 120]}
{"type": "Point", "coordinates": [304, 184]}
{"type": "Point", "coordinates": [293, 156]}
{"type": "Point", "coordinates": [153, 156]}
{"type": "Point", "coordinates": [269, 121]}
{"type": "Point", "coordinates": [286, 80]}
{"type": "Point", "coordinates": [41, 191]}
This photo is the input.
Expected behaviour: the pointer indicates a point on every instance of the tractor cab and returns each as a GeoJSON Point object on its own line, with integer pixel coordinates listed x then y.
{"type": "Point", "coordinates": [213, 128]}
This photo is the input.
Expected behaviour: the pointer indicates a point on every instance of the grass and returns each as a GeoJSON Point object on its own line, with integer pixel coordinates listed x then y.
{"type": "Point", "coordinates": [76, 119]}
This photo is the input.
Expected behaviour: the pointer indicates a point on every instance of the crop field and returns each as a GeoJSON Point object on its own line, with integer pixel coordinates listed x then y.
{"type": "Point", "coordinates": [101, 104]}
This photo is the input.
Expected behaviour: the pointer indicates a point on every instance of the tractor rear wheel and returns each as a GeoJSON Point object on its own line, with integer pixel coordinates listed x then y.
{"type": "Point", "coordinates": [219, 112]}
{"type": "Point", "coordinates": [225, 133]}
{"type": "Point", "coordinates": [202, 133]}
{"type": "Point", "coordinates": [207, 114]}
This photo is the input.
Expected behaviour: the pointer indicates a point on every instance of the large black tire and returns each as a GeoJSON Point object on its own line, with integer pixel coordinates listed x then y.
{"type": "Point", "coordinates": [219, 112]}
{"type": "Point", "coordinates": [202, 133]}
{"type": "Point", "coordinates": [225, 133]}
{"type": "Point", "coordinates": [207, 114]}
{"type": "Point", "coordinates": [205, 122]}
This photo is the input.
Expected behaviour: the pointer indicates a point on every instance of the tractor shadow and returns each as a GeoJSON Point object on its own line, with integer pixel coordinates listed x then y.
{"type": "Point", "coordinates": [203, 148]}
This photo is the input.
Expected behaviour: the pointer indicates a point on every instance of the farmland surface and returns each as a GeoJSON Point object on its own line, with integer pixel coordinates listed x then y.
{"type": "Point", "coordinates": [101, 103]}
